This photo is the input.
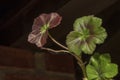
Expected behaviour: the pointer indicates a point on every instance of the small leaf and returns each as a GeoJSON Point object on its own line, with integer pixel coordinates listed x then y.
{"type": "Point", "coordinates": [101, 67]}
{"type": "Point", "coordinates": [40, 27]}
{"type": "Point", "coordinates": [105, 58]}
{"type": "Point", "coordinates": [94, 60]}
{"type": "Point", "coordinates": [91, 73]}
{"type": "Point", "coordinates": [110, 70]}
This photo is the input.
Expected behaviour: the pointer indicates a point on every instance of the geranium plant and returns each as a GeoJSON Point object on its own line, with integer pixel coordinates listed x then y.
{"type": "Point", "coordinates": [87, 33]}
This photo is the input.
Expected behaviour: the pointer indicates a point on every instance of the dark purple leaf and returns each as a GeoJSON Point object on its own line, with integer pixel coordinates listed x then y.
{"type": "Point", "coordinates": [37, 38]}
{"type": "Point", "coordinates": [40, 28]}
{"type": "Point", "coordinates": [53, 19]}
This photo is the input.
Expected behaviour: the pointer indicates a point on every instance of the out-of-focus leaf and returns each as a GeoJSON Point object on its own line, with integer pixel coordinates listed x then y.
{"type": "Point", "coordinates": [101, 68]}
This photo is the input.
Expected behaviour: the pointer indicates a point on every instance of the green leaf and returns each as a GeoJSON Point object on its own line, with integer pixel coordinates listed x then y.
{"type": "Point", "coordinates": [94, 60]}
{"type": "Point", "coordinates": [44, 28]}
{"type": "Point", "coordinates": [87, 22]}
{"type": "Point", "coordinates": [101, 68]}
{"type": "Point", "coordinates": [95, 21]}
{"type": "Point", "coordinates": [88, 47]}
{"type": "Point", "coordinates": [110, 70]}
{"type": "Point", "coordinates": [73, 42]}
{"type": "Point", "coordinates": [91, 72]}
{"type": "Point", "coordinates": [105, 58]}
{"type": "Point", "coordinates": [100, 35]}
{"type": "Point", "coordinates": [87, 33]}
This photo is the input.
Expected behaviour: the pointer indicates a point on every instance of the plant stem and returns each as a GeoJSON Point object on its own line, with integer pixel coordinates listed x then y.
{"type": "Point", "coordinates": [57, 42]}
{"type": "Point", "coordinates": [82, 65]}
{"type": "Point", "coordinates": [78, 58]}
{"type": "Point", "coordinates": [55, 51]}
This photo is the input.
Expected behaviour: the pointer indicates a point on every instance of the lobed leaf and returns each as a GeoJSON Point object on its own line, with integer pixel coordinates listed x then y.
{"type": "Point", "coordinates": [87, 32]}
{"type": "Point", "coordinates": [40, 28]}
{"type": "Point", "coordinates": [74, 43]}
{"type": "Point", "coordinates": [101, 68]}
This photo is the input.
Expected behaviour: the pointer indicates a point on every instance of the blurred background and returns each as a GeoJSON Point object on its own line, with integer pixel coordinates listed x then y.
{"type": "Point", "coordinates": [20, 60]}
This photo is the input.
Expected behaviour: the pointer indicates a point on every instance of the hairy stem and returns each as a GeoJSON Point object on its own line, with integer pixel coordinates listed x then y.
{"type": "Point", "coordinates": [55, 51]}
{"type": "Point", "coordinates": [82, 65]}
{"type": "Point", "coordinates": [57, 42]}
{"type": "Point", "coordinates": [78, 58]}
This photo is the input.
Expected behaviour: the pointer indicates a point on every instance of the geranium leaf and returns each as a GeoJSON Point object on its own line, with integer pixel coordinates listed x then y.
{"type": "Point", "coordinates": [37, 38]}
{"type": "Point", "coordinates": [55, 20]}
{"type": "Point", "coordinates": [110, 70]}
{"type": "Point", "coordinates": [73, 42]}
{"type": "Point", "coordinates": [100, 35]}
{"type": "Point", "coordinates": [90, 32]}
{"type": "Point", "coordinates": [88, 47]}
{"type": "Point", "coordinates": [92, 73]}
{"type": "Point", "coordinates": [40, 28]}
{"type": "Point", "coordinates": [105, 58]}
{"type": "Point", "coordinates": [52, 19]}
{"type": "Point", "coordinates": [94, 60]}
{"type": "Point", "coordinates": [101, 67]}
{"type": "Point", "coordinates": [87, 22]}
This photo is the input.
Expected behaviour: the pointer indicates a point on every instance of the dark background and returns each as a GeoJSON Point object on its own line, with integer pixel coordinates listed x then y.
{"type": "Point", "coordinates": [16, 19]}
